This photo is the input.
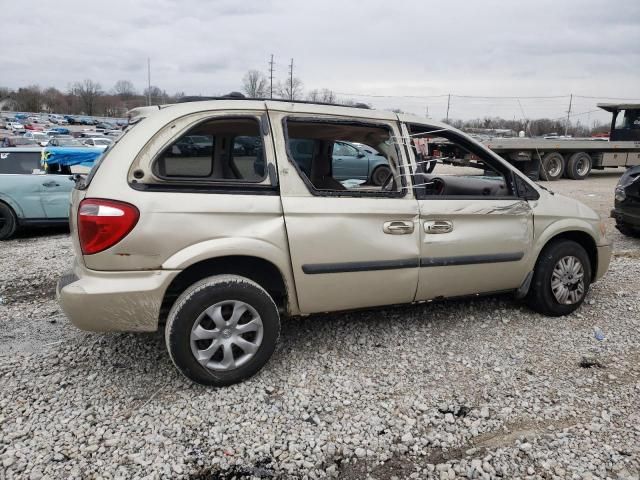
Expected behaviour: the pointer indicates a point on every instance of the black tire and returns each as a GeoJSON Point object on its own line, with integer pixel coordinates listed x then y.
{"type": "Point", "coordinates": [579, 166]}
{"type": "Point", "coordinates": [8, 221]}
{"type": "Point", "coordinates": [380, 174]}
{"type": "Point", "coordinates": [627, 230]}
{"type": "Point", "coordinates": [540, 297]}
{"type": "Point", "coordinates": [189, 307]}
{"type": "Point", "coordinates": [553, 166]}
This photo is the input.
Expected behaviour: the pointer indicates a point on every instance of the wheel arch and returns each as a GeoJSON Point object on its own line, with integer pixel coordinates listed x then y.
{"type": "Point", "coordinates": [583, 239]}
{"type": "Point", "coordinates": [13, 205]}
{"type": "Point", "coordinates": [264, 272]}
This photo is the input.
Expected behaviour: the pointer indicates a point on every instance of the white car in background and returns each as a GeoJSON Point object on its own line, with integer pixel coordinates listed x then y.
{"type": "Point", "coordinates": [40, 138]}
{"type": "Point", "coordinates": [15, 126]}
{"type": "Point", "coordinates": [97, 142]}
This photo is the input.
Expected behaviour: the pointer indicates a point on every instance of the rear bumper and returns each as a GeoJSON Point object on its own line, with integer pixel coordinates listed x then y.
{"type": "Point", "coordinates": [113, 301]}
{"type": "Point", "coordinates": [604, 259]}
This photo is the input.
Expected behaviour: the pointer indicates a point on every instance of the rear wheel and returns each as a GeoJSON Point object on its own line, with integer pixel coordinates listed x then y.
{"type": "Point", "coordinates": [561, 279]}
{"type": "Point", "coordinates": [222, 330]}
{"type": "Point", "coordinates": [579, 166]}
{"type": "Point", "coordinates": [552, 166]}
{"type": "Point", "coordinates": [8, 221]}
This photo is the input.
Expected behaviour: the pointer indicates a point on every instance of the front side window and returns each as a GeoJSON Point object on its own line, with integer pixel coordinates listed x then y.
{"type": "Point", "coordinates": [344, 157]}
{"type": "Point", "coordinates": [223, 149]}
{"type": "Point", "coordinates": [448, 165]}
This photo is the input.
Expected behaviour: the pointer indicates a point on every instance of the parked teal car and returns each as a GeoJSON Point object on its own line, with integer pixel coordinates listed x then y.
{"type": "Point", "coordinates": [33, 193]}
{"type": "Point", "coordinates": [349, 161]}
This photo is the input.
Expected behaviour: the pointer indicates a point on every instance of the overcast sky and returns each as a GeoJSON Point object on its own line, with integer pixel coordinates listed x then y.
{"type": "Point", "coordinates": [377, 47]}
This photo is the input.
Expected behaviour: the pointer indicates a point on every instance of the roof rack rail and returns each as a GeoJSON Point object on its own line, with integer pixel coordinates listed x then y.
{"type": "Point", "coordinates": [240, 96]}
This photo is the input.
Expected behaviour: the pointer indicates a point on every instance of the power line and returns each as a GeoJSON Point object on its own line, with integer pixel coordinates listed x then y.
{"type": "Point", "coordinates": [492, 97]}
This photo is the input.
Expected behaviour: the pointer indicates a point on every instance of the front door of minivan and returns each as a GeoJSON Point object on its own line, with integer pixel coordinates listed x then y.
{"type": "Point", "coordinates": [351, 245]}
{"type": "Point", "coordinates": [475, 233]}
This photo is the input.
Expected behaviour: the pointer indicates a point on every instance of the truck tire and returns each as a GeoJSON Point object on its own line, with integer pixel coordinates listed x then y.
{"type": "Point", "coordinates": [8, 221]}
{"type": "Point", "coordinates": [552, 166]}
{"type": "Point", "coordinates": [222, 330]}
{"type": "Point", "coordinates": [561, 279]}
{"type": "Point", "coordinates": [579, 166]}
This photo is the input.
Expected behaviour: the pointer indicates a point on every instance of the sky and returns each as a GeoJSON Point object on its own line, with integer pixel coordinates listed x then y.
{"type": "Point", "coordinates": [407, 54]}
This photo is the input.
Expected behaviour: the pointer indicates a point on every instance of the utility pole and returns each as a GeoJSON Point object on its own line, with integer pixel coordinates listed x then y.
{"type": "Point", "coordinates": [448, 103]}
{"type": "Point", "coordinates": [148, 81]}
{"type": "Point", "coordinates": [271, 77]}
{"type": "Point", "coordinates": [566, 127]}
{"type": "Point", "coordinates": [427, 111]}
{"type": "Point", "coordinates": [291, 80]}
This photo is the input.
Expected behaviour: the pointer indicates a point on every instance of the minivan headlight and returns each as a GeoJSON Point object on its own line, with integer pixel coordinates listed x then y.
{"type": "Point", "coordinates": [620, 195]}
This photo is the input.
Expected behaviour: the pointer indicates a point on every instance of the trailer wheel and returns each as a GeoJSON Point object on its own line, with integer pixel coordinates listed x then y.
{"type": "Point", "coordinates": [552, 166]}
{"type": "Point", "coordinates": [579, 166]}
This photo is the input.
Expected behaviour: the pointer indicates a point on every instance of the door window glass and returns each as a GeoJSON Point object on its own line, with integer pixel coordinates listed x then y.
{"type": "Point", "coordinates": [19, 162]}
{"type": "Point", "coordinates": [223, 149]}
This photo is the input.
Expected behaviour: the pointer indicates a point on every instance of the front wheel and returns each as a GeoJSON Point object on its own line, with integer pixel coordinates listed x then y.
{"type": "Point", "coordinates": [561, 279]}
{"type": "Point", "coordinates": [627, 230]}
{"type": "Point", "coordinates": [8, 222]}
{"type": "Point", "coordinates": [222, 330]}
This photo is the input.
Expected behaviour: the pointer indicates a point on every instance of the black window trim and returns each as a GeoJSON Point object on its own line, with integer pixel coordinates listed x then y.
{"type": "Point", "coordinates": [342, 193]}
{"type": "Point", "coordinates": [225, 186]}
{"type": "Point", "coordinates": [474, 150]}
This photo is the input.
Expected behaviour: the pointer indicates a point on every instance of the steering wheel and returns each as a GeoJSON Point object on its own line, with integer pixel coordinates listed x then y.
{"type": "Point", "coordinates": [389, 183]}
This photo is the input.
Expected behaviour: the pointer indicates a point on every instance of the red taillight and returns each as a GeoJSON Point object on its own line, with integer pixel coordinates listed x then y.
{"type": "Point", "coordinates": [103, 223]}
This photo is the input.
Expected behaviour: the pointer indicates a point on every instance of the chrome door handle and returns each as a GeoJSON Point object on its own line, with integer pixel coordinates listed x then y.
{"type": "Point", "coordinates": [398, 227]}
{"type": "Point", "coordinates": [438, 226]}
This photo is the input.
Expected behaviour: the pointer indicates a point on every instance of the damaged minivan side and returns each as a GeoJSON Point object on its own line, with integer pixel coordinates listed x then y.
{"type": "Point", "coordinates": [215, 218]}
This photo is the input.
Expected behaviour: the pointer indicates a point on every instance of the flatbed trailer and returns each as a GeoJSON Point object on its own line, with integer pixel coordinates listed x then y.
{"type": "Point", "coordinates": [550, 159]}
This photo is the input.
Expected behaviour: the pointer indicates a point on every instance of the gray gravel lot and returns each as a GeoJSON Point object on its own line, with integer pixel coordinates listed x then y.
{"type": "Point", "coordinates": [477, 389]}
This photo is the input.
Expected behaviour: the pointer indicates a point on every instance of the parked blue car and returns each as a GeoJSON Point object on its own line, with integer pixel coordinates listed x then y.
{"type": "Point", "coordinates": [61, 130]}
{"type": "Point", "coordinates": [350, 161]}
{"type": "Point", "coordinates": [37, 193]}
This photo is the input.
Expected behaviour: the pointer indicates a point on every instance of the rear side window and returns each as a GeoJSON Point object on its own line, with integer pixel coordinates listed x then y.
{"type": "Point", "coordinates": [19, 162]}
{"type": "Point", "coordinates": [222, 149]}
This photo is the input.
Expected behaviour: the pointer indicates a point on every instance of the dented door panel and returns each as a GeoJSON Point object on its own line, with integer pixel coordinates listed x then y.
{"type": "Point", "coordinates": [487, 249]}
{"type": "Point", "coordinates": [342, 258]}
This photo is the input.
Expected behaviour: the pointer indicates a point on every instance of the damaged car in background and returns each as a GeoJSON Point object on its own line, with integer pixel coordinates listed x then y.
{"type": "Point", "coordinates": [627, 203]}
{"type": "Point", "coordinates": [216, 243]}
{"type": "Point", "coordinates": [35, 185]}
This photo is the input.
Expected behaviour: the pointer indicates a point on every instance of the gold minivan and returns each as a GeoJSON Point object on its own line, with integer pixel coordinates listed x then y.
{"type": "Point", "coordinates": [215, 217]}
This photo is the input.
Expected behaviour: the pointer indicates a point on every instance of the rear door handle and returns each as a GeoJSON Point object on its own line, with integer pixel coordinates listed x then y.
{"type": "Point", "coordinates": [50, 183]}
{"type": "Point", "coordinates": [438, 226]}
{"type": "Point", "coordinates": [398, 227]}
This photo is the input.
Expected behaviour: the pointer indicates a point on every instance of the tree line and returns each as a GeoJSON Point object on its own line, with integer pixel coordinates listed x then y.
{"type": "Point", "coordinates": [88, 97]}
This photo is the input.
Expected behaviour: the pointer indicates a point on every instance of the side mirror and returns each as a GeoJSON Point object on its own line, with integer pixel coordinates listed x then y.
{"type": "Point", "coordinates": [361, 155]}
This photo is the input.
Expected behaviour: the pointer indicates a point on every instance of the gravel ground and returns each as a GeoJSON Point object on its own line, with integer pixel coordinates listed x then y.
{"type": "Point", "coordinates": [477, 389]}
